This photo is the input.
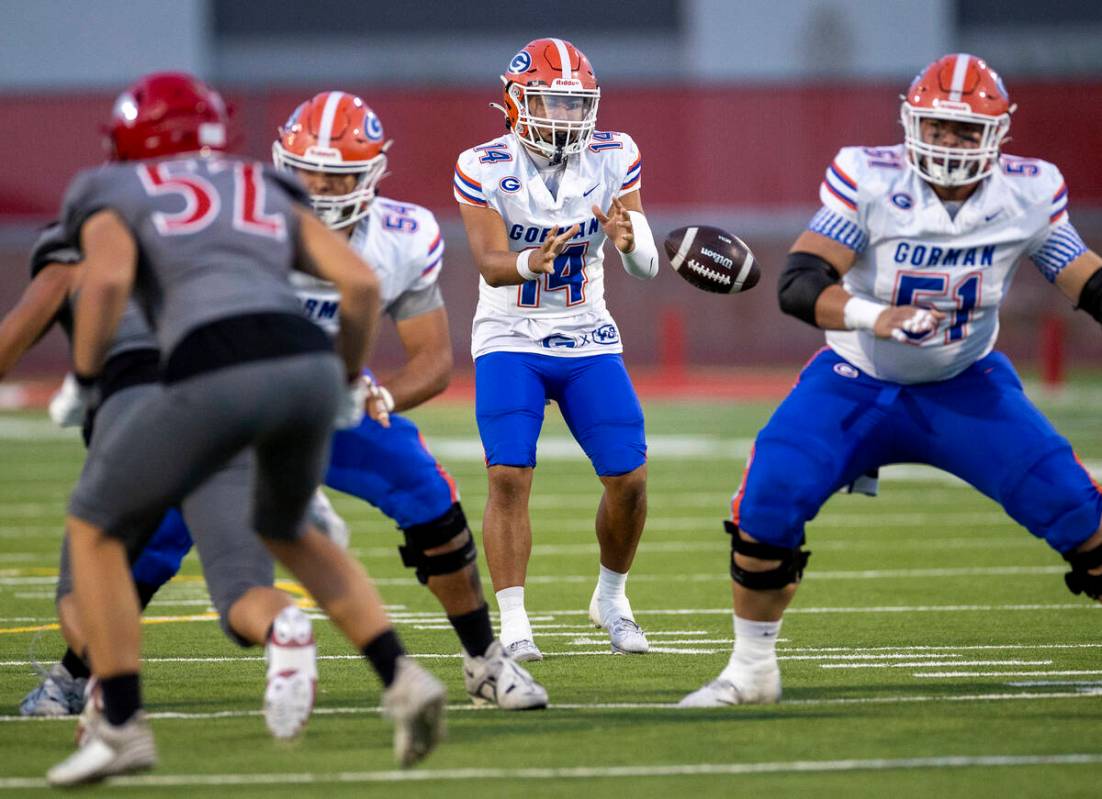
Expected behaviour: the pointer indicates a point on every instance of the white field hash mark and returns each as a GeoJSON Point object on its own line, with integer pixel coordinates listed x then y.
{"type": "Point", "coordinates": [648, 706]}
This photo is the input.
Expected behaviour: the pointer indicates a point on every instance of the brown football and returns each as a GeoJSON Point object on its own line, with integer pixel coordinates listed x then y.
{"type": "Point", "coordinates": [712, 259]}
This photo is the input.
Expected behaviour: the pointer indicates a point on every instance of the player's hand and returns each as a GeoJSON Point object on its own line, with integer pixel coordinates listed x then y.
{"type": "Point", "coordinates": [898, 320]}
{"type": "Point", "coordinates": [379, 402]}
{"type": "Point", "coordinates": [542, 261]}
{"type": "Point", "coordinates": [617, 225]}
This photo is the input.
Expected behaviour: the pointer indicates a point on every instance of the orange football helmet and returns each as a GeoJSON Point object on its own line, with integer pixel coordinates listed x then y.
{"type": "Point", "coordinates": [337, 133]}
{"type": "Point", "coordinates": [551, 98]}
{"type": "Point", "coordinates": [959, 88]}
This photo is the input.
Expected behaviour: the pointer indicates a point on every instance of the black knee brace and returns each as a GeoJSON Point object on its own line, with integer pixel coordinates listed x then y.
{"type": "Point", "coordinates": [434, 534]}
{"type": "Point", "coordinates": [1079, 579]}
{"type": "Point", "coordinates": [791, 569]}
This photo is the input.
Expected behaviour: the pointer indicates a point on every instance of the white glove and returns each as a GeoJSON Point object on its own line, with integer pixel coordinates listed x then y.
{"type": "Point", "coordinates": [922, 321]}
{"type": "Point", "coordinates": [70, 403]}
{"type": "Point", "coordinates": [351, 410]}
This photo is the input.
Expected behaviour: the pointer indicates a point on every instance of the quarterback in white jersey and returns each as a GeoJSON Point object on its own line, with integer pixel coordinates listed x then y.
{"type": "Point", "coordinates": [905, 267]}
{"type": "Point", "coordinates": [538, 204]}
{"type": "Point", "coordinates": [335, 143]}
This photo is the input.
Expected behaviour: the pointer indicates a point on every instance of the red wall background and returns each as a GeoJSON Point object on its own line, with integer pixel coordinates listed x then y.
{"type": "Point", "coordinates": [752, 146]}
{"type": "Point", "coordinates": [732, 155]}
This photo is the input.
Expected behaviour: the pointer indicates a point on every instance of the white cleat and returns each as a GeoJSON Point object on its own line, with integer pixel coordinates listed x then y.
{"type": "Point", "coordinates": [626, 637]}
{"type": "Point", "coordinates": [761, 687]}
{"type": "Point", "coordinates": [524, 651]}
{"type": "Point", "coordinates": [415, 702]}
{"type": "Point", "coordinates": [292, 674]}
{"type": "Point", "coordinates": [497, 679]}
{"type": "Point", "coordinates": [59, 694]}
{"type": "Point", "coordinates": [108, 750]}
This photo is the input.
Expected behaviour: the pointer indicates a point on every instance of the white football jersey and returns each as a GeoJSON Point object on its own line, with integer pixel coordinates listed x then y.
{"type": "Point", "coordinates": [912, 251]}
{"type": "Point", "coordinates": [401, 241]}
{"type": "Point", "coordinates": [562, 313]}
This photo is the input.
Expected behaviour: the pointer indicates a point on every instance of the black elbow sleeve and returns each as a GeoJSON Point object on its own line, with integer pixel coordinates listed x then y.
{"type": "Point", "coordinates": [1090, 298]}
{"type": "Point", "coordinates": [804, 278]}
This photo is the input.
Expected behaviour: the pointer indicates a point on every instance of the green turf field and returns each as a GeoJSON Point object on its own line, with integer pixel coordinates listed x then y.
{"type": "Point", "coordinates": [932, 650]}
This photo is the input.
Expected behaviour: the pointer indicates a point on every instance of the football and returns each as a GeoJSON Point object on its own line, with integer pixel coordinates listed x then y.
{"type": "Point", "coordinates": [712, 259]}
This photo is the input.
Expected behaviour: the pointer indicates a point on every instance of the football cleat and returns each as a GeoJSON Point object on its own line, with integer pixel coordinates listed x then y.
{"type": "Point", "coordinates": [626, 637]}
{"type": "Point", "coordinates": [292, 674]}
{"type": "Point", "coordinates": [59, 694]}
{"type": "Point", "coordinates": [415, 702]}
{"type": "Point", "coordinates": [758, 687]}
{"type": "Point", "coordinates": [107, 750]}
{"type": "Point", "coordinates": [524, 651]}
{"type": "Point", "coordinates": [497, 679]}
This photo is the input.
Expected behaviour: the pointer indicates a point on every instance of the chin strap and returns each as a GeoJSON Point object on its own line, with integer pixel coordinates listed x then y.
{"type": "Point", "coordinates": [501, 108]}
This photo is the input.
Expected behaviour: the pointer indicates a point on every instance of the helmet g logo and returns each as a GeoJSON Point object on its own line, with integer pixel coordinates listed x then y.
{"type": "Point", "coordinates": [373, 128]}
{"type": "Point", "coordinates": [521, 62]}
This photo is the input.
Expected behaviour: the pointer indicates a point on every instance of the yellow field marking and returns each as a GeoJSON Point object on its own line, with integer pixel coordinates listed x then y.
{"type": "Point", "coordinates": [302, 600]}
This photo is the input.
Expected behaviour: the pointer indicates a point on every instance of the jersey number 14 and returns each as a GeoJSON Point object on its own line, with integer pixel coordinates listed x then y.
{"type": "Point", "coordinates": [569, 276]}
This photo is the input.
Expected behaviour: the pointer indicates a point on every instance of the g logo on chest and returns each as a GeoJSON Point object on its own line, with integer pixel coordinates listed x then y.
{"type": "Point", "coordinates": [509, 184]}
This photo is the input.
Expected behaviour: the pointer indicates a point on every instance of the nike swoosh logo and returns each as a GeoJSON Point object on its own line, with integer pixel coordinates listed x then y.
{"type": "Point", "coordinates": [586, 194]}
{"type": "Point", "coordinates": [989, 217]}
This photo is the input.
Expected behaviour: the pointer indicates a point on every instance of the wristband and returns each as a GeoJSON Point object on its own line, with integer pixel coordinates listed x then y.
{"type": "Point", "coordinates": [642, 261]}
{"type": "Point", "coordinates": [522, 265]}
{"type": "Point", "coordinates": [861, 314]}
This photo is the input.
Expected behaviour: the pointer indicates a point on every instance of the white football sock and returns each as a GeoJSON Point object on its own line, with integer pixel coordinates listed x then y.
{"type": "Point", "coordinates": [612, 598]}
{"type": "Point", "coordinates": [755, 646]}
{"type": "Point", "coordinates": [514, 619]}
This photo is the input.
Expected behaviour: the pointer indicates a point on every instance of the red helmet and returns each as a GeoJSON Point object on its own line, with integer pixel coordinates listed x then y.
{"type": "Point", "coordinates": [551, 97]}
{"type": "Point", "coordinates": [166, 113]}
{"type": "Point", "coordinates": [337, 133]}
{"type": "Point", "coordinates": [959, 88]}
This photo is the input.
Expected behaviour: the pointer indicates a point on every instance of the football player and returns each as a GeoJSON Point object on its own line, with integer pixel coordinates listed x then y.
{"type": "Point", "coordinates": [207, 245]}
{"type": "Point", "coordinates": [336, 146]}
{"type": "Point", "coordinates": [538, 204]}
{"type": "Point", "coordinates": [905, 266]}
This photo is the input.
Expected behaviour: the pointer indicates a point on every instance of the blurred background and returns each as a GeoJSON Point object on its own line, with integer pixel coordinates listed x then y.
{"type": "Point", "coordinates": [737, 105]}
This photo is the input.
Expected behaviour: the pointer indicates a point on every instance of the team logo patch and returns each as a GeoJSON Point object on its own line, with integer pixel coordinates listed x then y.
{"type": "Point", "coordinates": [509, 184]}
{"type": "Point", "coordinates": [606, 334]}
{"type": "Point", "coordinates": [521, 62]}
{"type": "Point", "coordinates": [902, 200]}
{"type": "Point", "coordinates": [373, 128]}
{"type": "Point", "coordinates": [845, 370]}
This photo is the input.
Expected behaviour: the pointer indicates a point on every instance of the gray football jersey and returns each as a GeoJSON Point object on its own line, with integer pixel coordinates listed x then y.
{"type": "Point", "coordinates": [133, 333]}
{"type": "Point", "coordinates": [216, 237]}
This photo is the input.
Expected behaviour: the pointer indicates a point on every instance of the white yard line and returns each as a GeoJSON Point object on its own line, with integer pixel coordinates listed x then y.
{"type": "Point", "coordinates": [1070, 673]}
{"type": "Point", "coordinates": [578, 772]}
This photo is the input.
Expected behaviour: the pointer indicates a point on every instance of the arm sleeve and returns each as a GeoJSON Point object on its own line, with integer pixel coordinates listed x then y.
{"type": "Point", "coordinates": [1057, 243]}
{"type": "Point", "coordinates": [467, 183]}
{"type": "Point", "coordinates": [633, 166]}
{"type": "Point", "coordinates": [416, 301]}
{"type": "Point", "coordinates": [839, 218]}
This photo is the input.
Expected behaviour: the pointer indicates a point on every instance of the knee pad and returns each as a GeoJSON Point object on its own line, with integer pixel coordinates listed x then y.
{"type": "Point", "coordinates": [1079, 580]}
{"type": "Point", "coordinates": [790, 570]}
{"type": "Point", "coordinates": [433, 534]}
